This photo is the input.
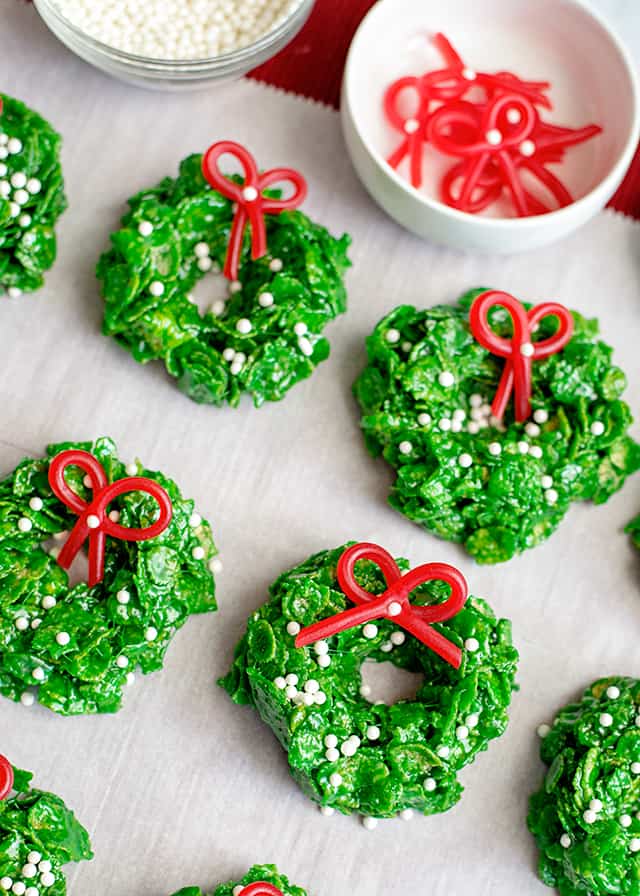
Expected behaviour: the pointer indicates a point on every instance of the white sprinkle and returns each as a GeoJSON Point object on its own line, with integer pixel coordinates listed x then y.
{"type": "Point", "coordinates": [424, 419]}
{"type": "Point", "coordinates": [250, 194]}
{"type": "Point", "coordinates": [535, 451]}
{"type": "Point", "coordinates": [327, 811]}
{"type": "Point", "coordinates": [371, 823]}
{"type": "Point", "coordinates": [24, 524]}
{"type": "Point", "coordinates": [495, 448]}
{"type": "Point", "coordinates": [544, 730]}
{"type": "Point", "coordinates": [312, 686]}
{"type": "Point", "coordinates": [280, 683]}
{"type": "Point", "coordinates": [14, 146]}
{"type": "Point", "coordinates": [63, 638]}
{"type": "Point", "coordinates": [365, 690]}
{"type": "Point", "coordinates": [215, 565]}
{"type": "Point", "coordinates": [597, 428]}
{"type": "Point", "coordinates": [47, 879]}
{"type": "Point", "coordinates": [324, 662]}
{"type": "Point", "coordinates": [275, 264]}
{"type": "Point", "coordinates": [634, 845]}
{"type": "Point", "coordinates": [546, 481]}
{"type": "Point", "coordinates": [387, 647]}
{"type": "Point", "coordinates": [596, 805]}
{"type": "Point", "coordinates": [19, 888]}
{"type": "Point", "coordinates": [523, 447]}
{"type": "Point", "coordinates": [243, 326]}
{"type": "Point", "coordinates": [514, 116]}
{"type": "Point", "coordinates": [151, 634]}
{"type": "Point", "coordinates": [527, 349]}
{"type": "Point", "coordinates": [195, 520]}
{"type": "Point", "coordinates": [201, 250]}
{"type": "Point", "coordinates": [291, 692]}
{"type": "Point", "coordinates": [293, 628]}
{"type": "Point", "coordinates": [93, 522]}
{"type": "Point", "coordinates": [291, 678]}
{"type": "Point", "coordinates": [331, 741]}
{"type": "Point", "coordinates": [406, 346]}
{"type": "Point", "coordinates": [45, 865]}
{"type": "Point", "coordinates": [394, 608]}
{"type": "Point", "coordinates": [198, 553]}
{"type": "Point", "coordinates": [22, 623]}
{"type": "Point", "coordinates": [145, 228]}
{"type": "Point", "coordinates": [589, 816]}
{"type": "Point", "coordinates": [472, 720]}
{"type": "Point", "coordinates": [217, 308]}
{"type": "Point", "coordinates": [320, 698]}
{"type": "Point", "coordinates": [532, 429]}
{"type": "Point", "coordinates": [156, 288]}
{"type": "Point", "coordinates": [308, 699]}
{"type": "Point", "coordinates": [446, 378]}
{"type": "Point", "coordinates": [606, 720]}
{"type": "Point", "coordinates": [565, 841]}
{"type": "Point", "coordinates": [38, 674]}
{"type": "Point", "coordinates": [13, 292]}
{"type": "Point", "coordinates": [465, 460]}
{"type": "Point", "coordinates": [493, 137]}
{"type": "Point", "coordinates": [635, 768]}
{"type": "Point", "coordinates": [613, 692]}
{"type": "Point", "coordinates": [305, 346]}
{"type": "Point", "coordinates": [335, 779]}
{"type": "Point", "coordinates": [444, 424]}
{"type": "Point", "coordinates": [123, 596]}
{"type": "Point", "coordinates": [131, 469]}
{"type": "Point", "coordinates": [237, 890]}
{"type": "Point", "coordinates": [265, 299]}
{"type": "Point", "coordinates": [24, 220]}
{"type": "Point", "coordinates": [472, 644]}
{"type": "Point", "coordinates": [18, 180]}
{"type": "Point", "coordinates": [48, 602]}
{"type": "Point", "coordinates": [551, 496]}
{"type": "Point", "coordinates": [406, 814]}
{"type": "Point", "coordinates": [443, 752]}
{"type": "Point", "coordinates": [429, 784]}
{"type": "Point", "coordinates": [27, 698]}
{"type": "Point", "coordinates": [229, 354]}
{"type": "Point", "coordinates": [527, 148]}
{"type": "Point", "coordinates": [392, 336]}
{"type": "Point", "coordinates": [34, 858]}
{"type": "Point", "coordinates": [130, 679]}
{"type": "Point", "coordinates": [348, 748]}
{"type": "Point", "coordinates": [321, 648]}
{"type": "Point", "coordinates": [36, 623]}
{"type": "Point", "coordinates": [462, 732]}
{"type": "Point", "coordinates": [373, 732]}
{"type": "Point", "coordinates": [369, 630]}
{"type": "Point", "coordinates": [468, 74]}
{"type": "Point", "coordinates": [6, 883]}
{"type": "Point", "coordinates": [473, 428]}
{"type": "Point", "coordinates": [626, 821]}
{"type": "Point", "coordinates": [540, 415]}
{"type": "Point", "coordinates": [300, 329]}
{"type": "Point", "coordinates": [122, 662]}
{"type": "Point", "coordinates": [397, 638]}
{"type": "Point", "coordinates": [332, 755]}
{"type": "Point", "coordinates": [411, 125]}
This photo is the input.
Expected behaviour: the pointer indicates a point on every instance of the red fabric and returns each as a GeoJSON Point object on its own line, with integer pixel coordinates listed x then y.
{"type": "Point", "coordinates": [312, 66]}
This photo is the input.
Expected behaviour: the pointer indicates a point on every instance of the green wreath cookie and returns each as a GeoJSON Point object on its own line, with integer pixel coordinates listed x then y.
{"type": "Point", "coordinates": [38, 836]}
{"type": "Point", "coordinates": [268, 874]}
{"type": "Point", "coordinates": [31, 197]}
{"type": "Point", "coordinates": [267, 335]}
{"type": "Point", "coordinates": [497, 488]}
{"type": "Point", "coordinates": [343, 751]}
{"type": "Point", "coordinates": [586, 816]}
{"type": "Point", "coordinates": [75, 647]}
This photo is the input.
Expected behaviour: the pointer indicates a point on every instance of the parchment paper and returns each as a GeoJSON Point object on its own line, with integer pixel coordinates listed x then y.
{"type": "Point", "coordinates": [182, 786]}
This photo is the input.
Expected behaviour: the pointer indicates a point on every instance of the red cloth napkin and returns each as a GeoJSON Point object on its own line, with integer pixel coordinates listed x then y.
{"type": "Point", "coordinates": [312, 66]}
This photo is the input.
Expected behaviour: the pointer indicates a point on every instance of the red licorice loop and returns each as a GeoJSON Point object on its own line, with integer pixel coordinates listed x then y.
{"type": "Point", "coordinates": [394, 602]}
{"type": "Point", "coordinates": [261, 888]}
{"type": "Point", "coordinates": [6, 775]}
{"type": "Point", "coordinates": [520, 351]}
{"type": "Point", "coordinates": [251, 204]}
{"type": "Point", "coordinates": [93, 522]}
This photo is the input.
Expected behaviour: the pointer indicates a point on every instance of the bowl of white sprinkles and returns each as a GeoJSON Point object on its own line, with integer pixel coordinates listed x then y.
{"type": "Point", "coordinates": [175, 44]}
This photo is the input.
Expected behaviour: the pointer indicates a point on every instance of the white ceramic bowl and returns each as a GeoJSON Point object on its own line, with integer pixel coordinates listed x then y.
{"type": "Point", "coordinates": [563, 41]}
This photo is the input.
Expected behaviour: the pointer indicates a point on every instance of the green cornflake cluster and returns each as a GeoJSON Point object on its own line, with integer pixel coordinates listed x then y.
{"type": "Point", "coordinates": [633, 529]}
{"type": "Point", "coordinates": [149, 590]}
{"type": "Point", "coordinates": [38, 836]}
{"type": "Point", "coordinates": [265, 337]}
{"type": "Point", "coordinates": [259, 873]}
{"type": "Point", "coordinates": [31, 197]}
{"type": "Point", "coordinates": [399, 757]}
{"type": "Point", "coordinates": [585, 817]}
{"type": "Point", "coordinates": [496, 488]}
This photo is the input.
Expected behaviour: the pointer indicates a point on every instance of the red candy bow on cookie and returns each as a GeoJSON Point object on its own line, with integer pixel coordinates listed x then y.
{"type": "Point", "coordinates": [520, 351]}
{"type": "Point", "coordinates": [394, 602]}
{"type": "Point", "coordinates": [251, 204]}
{"type": "Point", "coordinates": [6, 777]}
{"type": "Point", "coordinates": [261, 888]}
{"type": "Point", "coordinates": [93, 522]}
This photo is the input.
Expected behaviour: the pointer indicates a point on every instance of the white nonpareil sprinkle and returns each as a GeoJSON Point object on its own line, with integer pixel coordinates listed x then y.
{"type": "Point", "coordinates": [543, 730]}
{"type": "Point", "coordinates": [635, 768]}
{"type": "Point", "coordinates": [265, 299]}
{"type": "Point", "coordinates": [443, 752]}
{"type": "Point", "coordinates": [369, 630]}
{"type": "Point", "coordinates": [215, 565]}
{"type": "Point", "coordinates": [430, 784]}
{"type": "Point", "coordinates": [156, 288]}
{"type": "Point", "coordinates": [634, 846]}
{"type": "Point", "coordinates": [327, 811]}
{"type": "Point", "coordinates": [540, 415]}
{"type": "Point", "coordinates": [24, 524]}
{"type": "Point", "coordinates": [198, 553]}
{"type": "Point", "coordinates": [565, 841]}
{"type": "Point", "coordinates": [243, 326]}
{"type": "Point", "coordinates": [465, 460]}
{"type": "Point", "coordinates": [321, 648]}
{"type": "Point", "coordinates": [606, 720]}
{"type": "Point", "coordinates": [597, 428]}
{"type": "Point", "coordinates": [371, 823]}
{"type": "Point", "coordinates": [335, 780]}
{"type": "Point", "coordinates": [373, 732]}
{"type": "Point", "coordinates": [394, 608]}
{"type": "Point", "coordinates": [123, 596]}
{"type": "Point", "coordinates": [406, 814]}
{"type": "Point", "coordinates": [472, 644]}
{"type": "Point", "coordinates": [397, 638]}
{"type": "Point", "coordinates": [63, 638]}
{"type": "Point", "coordinates": [151, 634]}
{"type": "Point", "coordinates": [392, 336]}
{"type": "Point", "coordinates": [613, 692]}
{"type": "Point", "coordinates": [495, 448]}
{"type": "Point", "coordinates": [589, 816]}
{"type": "Point", "coordinates": [626, 821]}
{"type": "Point", "coordinates": [48, 602]}
{"type": "Point", "coordinates": [177, 29]}
{"type": "Point", "coordinates": [27, 698]}
{"type": "Point", "coordinates": [293, 628]}
{"type": "Point", "coordinates": [446, 378]}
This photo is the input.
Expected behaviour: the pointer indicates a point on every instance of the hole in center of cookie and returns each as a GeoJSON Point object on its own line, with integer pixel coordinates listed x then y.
{"type": "Point", "coordinates": [79, 569]}
{"type": "Point", "coordinates": [386, 683]}
{"type": "Point", "coordinates": [210, 293]}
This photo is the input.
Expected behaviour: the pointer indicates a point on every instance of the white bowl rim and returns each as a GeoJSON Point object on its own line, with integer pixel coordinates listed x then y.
{"type": "Point", "coordinates": [615, 173]}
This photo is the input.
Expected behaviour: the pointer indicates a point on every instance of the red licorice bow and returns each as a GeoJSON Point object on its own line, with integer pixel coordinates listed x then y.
{"type": "Point", "coordinates": [251, 204]}
{"type": "Point", "coordinates": [6, 777]}
{"type": "Point", "coordinates": [394, 602]}
{"type": "Point", "coordinates": [261, 888]}
{"type": "Point", "coordinates": [519, 351]}
{"type": "Point", "coordinates": [94, 523]}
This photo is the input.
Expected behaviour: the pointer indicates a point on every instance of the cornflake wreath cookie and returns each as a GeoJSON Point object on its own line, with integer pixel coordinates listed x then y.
{"type": "Point", "coordinates": [285, 280]}
{"type": "Point", "coordinates": [299, 664]}
{"type": "Point", "coordinates": [497, 478]}
{"type": "Point", "coordinates": [39, 835]}
{"type": "Point", "coordinates": [31, 197]}
{"type": "Point", "coordinates": [586, 816]}
{"type": "Point", "coordinates": [74, 647]}
{"type": "Point", "coordinates": [261, 880]}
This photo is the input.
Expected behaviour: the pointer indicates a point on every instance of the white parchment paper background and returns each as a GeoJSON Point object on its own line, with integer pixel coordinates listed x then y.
{"type": "Point", "coordinates": [181, 786]}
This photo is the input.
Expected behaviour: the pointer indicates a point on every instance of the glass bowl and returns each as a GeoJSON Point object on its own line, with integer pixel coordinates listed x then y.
{"type": "Point", "coordinates": [172, 74]}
